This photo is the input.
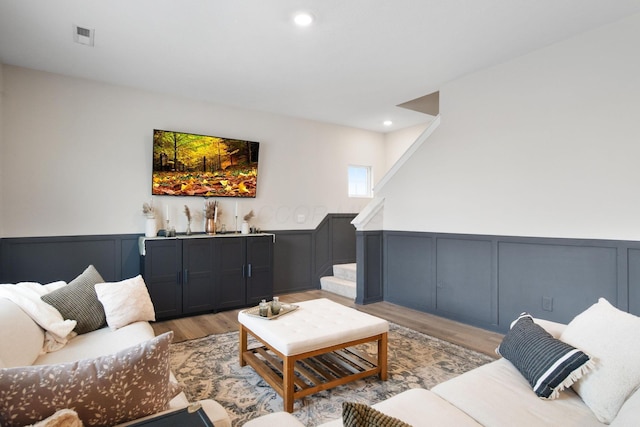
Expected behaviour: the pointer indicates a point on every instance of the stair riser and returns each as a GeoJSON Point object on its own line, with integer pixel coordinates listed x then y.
{"type": "Point", "coordinates": [338, 286]}
{"type": "Point", "coordinates": [346, 272]}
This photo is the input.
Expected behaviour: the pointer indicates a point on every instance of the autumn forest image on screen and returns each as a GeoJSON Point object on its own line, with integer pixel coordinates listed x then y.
{"type": "Point", "coordinates": [186, 164]}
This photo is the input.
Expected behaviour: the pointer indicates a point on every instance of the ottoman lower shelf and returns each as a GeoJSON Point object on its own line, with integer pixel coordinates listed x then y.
{"type": "Point", "coordinates": [296, 376]}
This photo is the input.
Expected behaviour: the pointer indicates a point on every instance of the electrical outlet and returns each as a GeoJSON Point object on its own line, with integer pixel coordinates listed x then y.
{"type": "Point", "coordinates": [547, 303]}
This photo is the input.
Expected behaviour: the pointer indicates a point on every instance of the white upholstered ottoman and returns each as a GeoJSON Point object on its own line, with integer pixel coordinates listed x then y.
{"type": "Point", "coordinates": [315, 341]}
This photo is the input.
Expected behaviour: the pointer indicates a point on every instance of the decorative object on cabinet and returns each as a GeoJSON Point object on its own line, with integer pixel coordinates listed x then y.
{"type": "Point", "coordinates": [211, 216]}
{"type": "Point", "coordinates": [187, 212]}
{"type": "Point", "coordinates": [245, 222]}
{"type": "Point", "coordinates": [150, 227]}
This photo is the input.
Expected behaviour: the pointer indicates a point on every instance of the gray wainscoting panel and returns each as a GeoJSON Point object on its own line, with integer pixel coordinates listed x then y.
{"type": "Point", "coordinates": [409, 270]}
{"type": "Point", "coordinates": [633, 256]}
{"type": "Point", "coordinates": [554, 281]}
{"type": "Point", "coordinates": [292, 261]}
{"type": "Point", "coordinates": [322, 249]}
{"type": "Point", "coordinates": [334, 243]}
{"type": "Point", "coordinates": [369, 272]}
{"type": "Point", "coordinates": [488, 281]}
{"type": "Point", "coordinates": [130, 257]}
{"type": "Point", "coordinates": [465, 285]}
{"type": "Point", "coordinates": [47, 259]}
{"type": "Point", "coordinates": [343, 241]}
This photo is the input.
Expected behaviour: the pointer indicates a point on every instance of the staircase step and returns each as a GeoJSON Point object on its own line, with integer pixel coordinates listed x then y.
{"type": "Point", "coordinates": [346, 288]}
{"type": "Point", "coordinates": [345, 271]}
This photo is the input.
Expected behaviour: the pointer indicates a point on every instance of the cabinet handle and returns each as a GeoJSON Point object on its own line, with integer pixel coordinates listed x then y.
{"type": "Point", "coordinates": [249, 272]}
{"type": "Point", "coordinates": [185, 276]}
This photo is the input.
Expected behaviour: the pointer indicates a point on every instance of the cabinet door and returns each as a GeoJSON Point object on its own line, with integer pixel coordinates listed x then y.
{"type": "Point", "coordinates": [161, 272]}
{"type": "Point", "coordinates": [259, 269]}
{"type": "Point", "coordinates": [197, 275]}
{"type": "Point", "coordinates": [230, 288]}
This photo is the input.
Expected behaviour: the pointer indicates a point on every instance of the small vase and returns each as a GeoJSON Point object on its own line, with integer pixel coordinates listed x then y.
{"type": "Point", "coordinates": [275, 306]}
{"type": "Point", "coordinates": [210, 226]}
{"type": "Point", "coordinates": [150, 229]}
{"type": "Point", "coordinates": [188, 231]}
{"type": "Point", "coordinates": [245, 227]}
{"type": "Point", "coordinates": [264, 309]}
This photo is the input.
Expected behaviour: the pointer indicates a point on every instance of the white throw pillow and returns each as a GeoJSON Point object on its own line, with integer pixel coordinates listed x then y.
{"type": "Point", "coordinates": [125, 302]}
{"type": "Point", "coordinates": [612, 337]}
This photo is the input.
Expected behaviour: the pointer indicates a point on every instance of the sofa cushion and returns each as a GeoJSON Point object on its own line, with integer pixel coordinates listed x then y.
{"type": "Point", "coordinates": [98, 343]}
{"type": "Point", "coordinates": [496, 394]}
{"type": "Point", "coordinates": [103, 391]}
{"type": "Point", "coordinates": [361, 415]}
{"type": "Point", "coordinates": [612, 337]}
{"type": "Point", "coordinates": [125, 302]}
{"type": "Point", "coordinates": [78, 301]}
{"type": "Point", "coordinates": [549, 365]}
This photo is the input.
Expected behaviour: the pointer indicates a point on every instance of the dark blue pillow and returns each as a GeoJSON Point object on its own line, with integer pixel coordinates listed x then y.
{"type": "Point", "coordinates": [549, 365]}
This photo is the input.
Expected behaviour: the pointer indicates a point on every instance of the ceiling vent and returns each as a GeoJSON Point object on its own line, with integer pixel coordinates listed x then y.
{"type": "Point", "coordinates": [83, 35]}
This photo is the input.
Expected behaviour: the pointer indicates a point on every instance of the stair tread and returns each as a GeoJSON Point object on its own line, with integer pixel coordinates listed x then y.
{"type": "Point", "coordinates": [340, 280]}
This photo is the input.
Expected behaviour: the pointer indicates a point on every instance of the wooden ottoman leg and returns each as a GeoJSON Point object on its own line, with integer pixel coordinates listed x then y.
{"type": "Point", "coordinates": [243, 344]}
{"type": "Point", "coordinates": [287, 382]}
{"type": "Point", "coordinates": [382, 356]}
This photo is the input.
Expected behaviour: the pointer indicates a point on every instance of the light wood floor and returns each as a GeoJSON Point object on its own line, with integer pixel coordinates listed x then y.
{"type": "Point", "coordinates": [477, 339]}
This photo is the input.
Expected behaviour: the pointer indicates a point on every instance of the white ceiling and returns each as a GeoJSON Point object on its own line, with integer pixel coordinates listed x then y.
{"type": "Point", "coordinates": [358, 60]}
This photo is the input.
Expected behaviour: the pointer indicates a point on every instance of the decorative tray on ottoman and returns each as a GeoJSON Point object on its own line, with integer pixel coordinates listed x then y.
{"type": "Point", "coordinates": [284, 309]}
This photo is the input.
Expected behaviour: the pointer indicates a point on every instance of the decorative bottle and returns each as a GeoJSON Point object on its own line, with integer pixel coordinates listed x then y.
{"type": "Point", "coordinates": [275, 306]}
{"type": "Point", "coordinates": [264, 308]}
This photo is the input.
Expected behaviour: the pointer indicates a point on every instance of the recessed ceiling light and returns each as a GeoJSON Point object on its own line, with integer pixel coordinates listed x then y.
{"type": "Point", "coordinates": [387, 123]}
{"type": "Point", "coordinates": [303, 19]}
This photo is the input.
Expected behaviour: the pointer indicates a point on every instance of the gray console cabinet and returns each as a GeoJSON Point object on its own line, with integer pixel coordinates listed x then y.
{"type": "Point", "coordinates": [188, 275]}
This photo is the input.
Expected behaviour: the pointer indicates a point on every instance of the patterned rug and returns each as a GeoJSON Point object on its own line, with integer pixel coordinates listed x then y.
{"type": "Point", "coordinates": [208, 368]}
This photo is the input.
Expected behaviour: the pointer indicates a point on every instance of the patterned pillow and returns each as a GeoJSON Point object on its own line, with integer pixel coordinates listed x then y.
{"type": "Point", "coordinates": [361, 415]}
{"type": "Point", "coordinates": [104, 391]}
{"type": "Point", "coordinates": [549, 365]}
{"type": "Point", "coordinates": [78, 301]}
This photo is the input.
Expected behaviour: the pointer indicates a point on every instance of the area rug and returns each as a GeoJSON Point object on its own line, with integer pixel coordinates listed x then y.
{"type": "Point", "coordinates": [208, 368]}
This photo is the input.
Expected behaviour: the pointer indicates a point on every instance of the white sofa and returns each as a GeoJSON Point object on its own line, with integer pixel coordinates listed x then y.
{"type": "Point", "coordinates": [495, 394]}
{"type": "Point", "coordinates": [21, 344]}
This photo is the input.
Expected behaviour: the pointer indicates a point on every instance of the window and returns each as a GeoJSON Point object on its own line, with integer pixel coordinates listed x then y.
{"type": "Point", "coordinates": [360, 181]}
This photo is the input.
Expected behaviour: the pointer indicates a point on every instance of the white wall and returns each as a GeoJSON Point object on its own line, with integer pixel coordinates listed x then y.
{"type": "Point", "coordinates": [397, 142]}
{"type": "Point", "coordinates": [76, 158]}
{"type": "Point", "coordinates": [544, 145]}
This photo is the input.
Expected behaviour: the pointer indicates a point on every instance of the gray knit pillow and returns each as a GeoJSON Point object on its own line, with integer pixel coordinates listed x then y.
{"type": "Point", "coordinates": [78, 301]}
{"type": "Point", "coordinates": [361, 415]}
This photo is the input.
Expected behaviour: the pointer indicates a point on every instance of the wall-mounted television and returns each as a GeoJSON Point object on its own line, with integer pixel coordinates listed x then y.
{"type": "Point", "coordinates": [187, 164]}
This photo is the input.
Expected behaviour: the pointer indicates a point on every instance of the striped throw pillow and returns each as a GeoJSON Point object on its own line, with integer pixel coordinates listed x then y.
{"type": "Point", "coordinates": [549, 365]}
